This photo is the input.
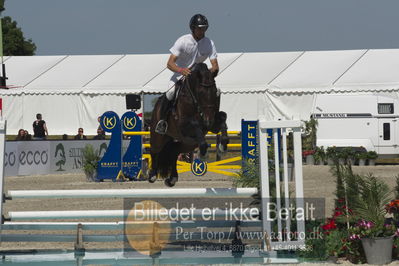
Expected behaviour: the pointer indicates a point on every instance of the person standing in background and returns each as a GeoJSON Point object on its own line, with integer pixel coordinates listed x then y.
{"type": "Point", "coordinates": [39, 128]}
{"type": "Point", "coordinates": [27, 135]}
{"type": "Point", "coordinates": [100, 134]}
{"type": "Point", "coordinates": [80, 135]}
{"type": "Point", "coordinates": [21, 135]}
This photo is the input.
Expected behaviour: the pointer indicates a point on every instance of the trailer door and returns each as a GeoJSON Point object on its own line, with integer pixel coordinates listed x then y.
{"type": "Point", "coordinates": [387, 133]}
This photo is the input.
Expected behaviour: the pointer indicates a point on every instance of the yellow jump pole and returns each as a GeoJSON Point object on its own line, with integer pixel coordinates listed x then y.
{"type": "Point", "coordinates": [135, 133]}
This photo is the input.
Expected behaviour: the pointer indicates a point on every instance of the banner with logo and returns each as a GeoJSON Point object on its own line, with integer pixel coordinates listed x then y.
{"type": "Point", "coordinates": [67, 156]}
{"type": "Point", "coordinates": [110, 165]}
{"type": "Point", "coordinates": [34, 157]}
{"type": "Point", "coordinates": [45, 157]}
{"type": "Point", "coordinates": [249, 140]}
{"type": "Point", "coordinates": [131, 160]}
{"type": "Point", "coordinates": [11, 159]}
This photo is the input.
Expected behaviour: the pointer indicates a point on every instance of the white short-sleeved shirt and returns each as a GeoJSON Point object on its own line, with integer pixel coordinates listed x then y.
{"type": "Point", "coordinates": [189, 51]}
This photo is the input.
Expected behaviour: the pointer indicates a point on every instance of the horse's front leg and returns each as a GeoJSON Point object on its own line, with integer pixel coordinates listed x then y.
{"type": "Point", "coordinates": [194, 133]}
{"type": "Point", "coordinates": [224, 139]}
{"type": "Point", "coordinates": [220, 125]}
{"type": "Point", "coordinates": [202, 144]}
{"type": "Point", "coordinates": [174, 176]}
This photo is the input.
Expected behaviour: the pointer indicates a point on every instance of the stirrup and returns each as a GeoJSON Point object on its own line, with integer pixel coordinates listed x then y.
{"type": "Point", "coordinates": [161, 127]}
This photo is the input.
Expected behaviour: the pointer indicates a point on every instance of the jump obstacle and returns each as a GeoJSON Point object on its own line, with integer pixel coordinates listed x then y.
{"type": "Point", "coordinates": [130, 165]}
{"type": "Point", "coordinates": [282, 199]}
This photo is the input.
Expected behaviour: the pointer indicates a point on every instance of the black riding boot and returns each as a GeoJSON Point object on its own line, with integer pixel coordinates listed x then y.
{"type": "Point", "coordinates": [162, 125]}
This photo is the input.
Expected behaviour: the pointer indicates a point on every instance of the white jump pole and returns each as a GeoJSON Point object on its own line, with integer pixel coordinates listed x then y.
{"type": "Point", "coordinates": [3, 127]}
{"type": "Point", "coordinates": [249, 214]}
{"type": "Point", "coordinates": [133, 193]}
{"type": "Point", "coordinates": [2, 150]}
{"type": "Point", "coordinates": [295, 125]}
{"type": "Point", "coordinates": [50, 225]}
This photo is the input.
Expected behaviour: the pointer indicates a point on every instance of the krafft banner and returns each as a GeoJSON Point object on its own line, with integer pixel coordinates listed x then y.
{"type": "Point", "coordinates": [249, 140]}
{"type": "Point", "coordinates": [45, 157]}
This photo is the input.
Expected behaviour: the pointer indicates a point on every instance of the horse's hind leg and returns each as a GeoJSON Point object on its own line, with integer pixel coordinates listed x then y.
{"type": "Point", "coordinates": [152, 177]}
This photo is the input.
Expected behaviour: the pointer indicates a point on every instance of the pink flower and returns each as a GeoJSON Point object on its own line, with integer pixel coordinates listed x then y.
{"type": "Point", "coordinates": [366, 224]}
{"type": "Point", "coordinates": [369, 225]}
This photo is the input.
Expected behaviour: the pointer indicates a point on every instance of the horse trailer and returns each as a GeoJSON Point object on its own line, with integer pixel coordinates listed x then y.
{"type": "Point", "coordinates": [367, 121]}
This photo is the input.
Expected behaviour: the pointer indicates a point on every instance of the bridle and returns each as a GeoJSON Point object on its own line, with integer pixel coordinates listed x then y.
{"type": "Point", "coordinates": [195, 101]}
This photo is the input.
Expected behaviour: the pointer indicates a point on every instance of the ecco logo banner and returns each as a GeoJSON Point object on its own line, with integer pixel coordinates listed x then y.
{"type": "Point", "coordinates": [11, 162]}
{"type": "Point", "coordinates": [45, 157]}
{"type": "Point", "coordinates": [33, 157]}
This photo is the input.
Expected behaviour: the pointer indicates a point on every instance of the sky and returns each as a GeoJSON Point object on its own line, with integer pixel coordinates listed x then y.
{"type": "Point", "coordinates": [76, 27]}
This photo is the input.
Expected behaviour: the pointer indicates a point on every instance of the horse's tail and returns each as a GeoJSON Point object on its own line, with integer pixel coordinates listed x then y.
{"type": "Point", "coordinates": [167, 158]}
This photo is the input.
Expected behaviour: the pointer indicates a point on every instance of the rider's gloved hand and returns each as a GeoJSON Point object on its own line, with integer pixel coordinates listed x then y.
{"type": "Point", "coordinates": [184, 71]}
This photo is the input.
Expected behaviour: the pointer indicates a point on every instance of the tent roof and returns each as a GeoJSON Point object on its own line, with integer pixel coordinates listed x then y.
{"type": "Point", "coordinates": [283, 72]}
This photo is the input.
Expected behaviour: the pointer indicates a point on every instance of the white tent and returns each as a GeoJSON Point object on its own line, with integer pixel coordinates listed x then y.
{"type": "Point", "coordinates": [72, 91]}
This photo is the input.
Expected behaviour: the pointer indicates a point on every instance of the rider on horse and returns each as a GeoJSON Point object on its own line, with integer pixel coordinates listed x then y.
{"type": "Point", "coordinates": [188, 50]}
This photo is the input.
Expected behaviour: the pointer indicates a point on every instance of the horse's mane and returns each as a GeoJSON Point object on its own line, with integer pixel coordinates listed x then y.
{"type": "Point", "coordinates": [199, 70]}
{"type": "Point", "coordinates": [200, 67]}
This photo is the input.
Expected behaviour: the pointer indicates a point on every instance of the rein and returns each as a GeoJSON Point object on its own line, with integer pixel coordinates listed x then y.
{"type": "Point", "coordinates": [207, 85]}
{"type": "Point", "coordinates": [194, 99]}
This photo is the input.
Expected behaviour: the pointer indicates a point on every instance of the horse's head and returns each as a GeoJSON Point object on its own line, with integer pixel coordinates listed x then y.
{"type": "Point", "coordinates": [204, 87]}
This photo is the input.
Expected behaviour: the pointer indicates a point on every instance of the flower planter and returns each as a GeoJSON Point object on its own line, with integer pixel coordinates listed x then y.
{"type": "Point", "coordinates": [371, 162]}
{"type": "Point", "coordinates": [91, 176]}
{"type": "Point", "coordinates": [330, 161]}
{"type": "Point", "coordinates": [378, 250]}
{"type": "Point", "coordinates": [362, 162]}
{"type": "Point", "coordinates": [310, 160]}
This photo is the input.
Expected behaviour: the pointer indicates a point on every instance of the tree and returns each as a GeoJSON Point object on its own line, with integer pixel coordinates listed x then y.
{"type": "Point", "coordinates": [14, 42]}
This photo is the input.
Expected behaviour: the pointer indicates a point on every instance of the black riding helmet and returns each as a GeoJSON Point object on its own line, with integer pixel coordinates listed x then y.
{"type": "Point", "coordinates": [199, 21]}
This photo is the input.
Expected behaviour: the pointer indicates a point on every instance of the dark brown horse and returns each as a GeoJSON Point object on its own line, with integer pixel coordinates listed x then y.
{"type": "Point", "coordinates": [194, 113]}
